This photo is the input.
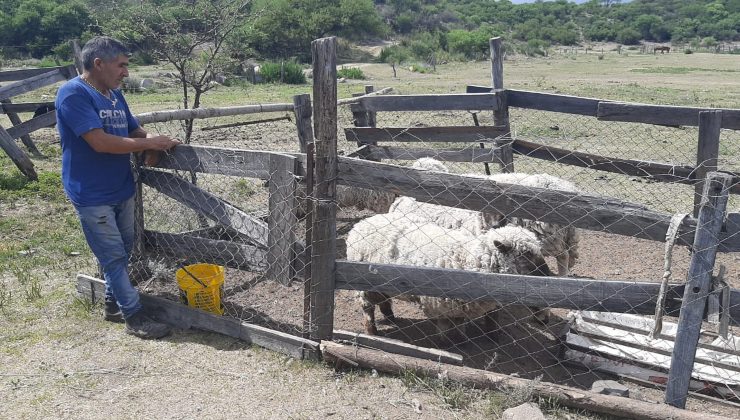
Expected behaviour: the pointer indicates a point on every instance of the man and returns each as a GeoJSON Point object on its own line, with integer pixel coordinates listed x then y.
{"type": "Point", "coordinates": [98, 135]}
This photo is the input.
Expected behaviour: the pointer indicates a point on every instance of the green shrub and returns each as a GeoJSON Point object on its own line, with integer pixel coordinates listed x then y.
{"type": "Point", "coordinates": [394, 54]}
{"type": "Point", "coordinates": [292, 73]}
{"type": "Point", "coordinates": [688, 51]}
{"type": "Point", "coordinates": [351, 73]}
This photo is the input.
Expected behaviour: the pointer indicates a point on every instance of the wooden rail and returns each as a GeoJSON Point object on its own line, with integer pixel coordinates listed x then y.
{"type": "Point", "coordinates": [463, 134]}
{"type": "Point", "coordinates": [449, 102]}
{"type": "Point", "coordinates": [200, 113]}
{"type": "Point", "coordinates": [46, 78]}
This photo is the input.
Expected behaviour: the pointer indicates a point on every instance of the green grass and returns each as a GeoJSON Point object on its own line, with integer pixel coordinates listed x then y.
{"type": "Point", "coordinates": [680, 70]}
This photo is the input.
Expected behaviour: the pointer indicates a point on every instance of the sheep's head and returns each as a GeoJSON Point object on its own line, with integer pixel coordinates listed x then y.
{"type": "Point", "coordinates": [520, 252]}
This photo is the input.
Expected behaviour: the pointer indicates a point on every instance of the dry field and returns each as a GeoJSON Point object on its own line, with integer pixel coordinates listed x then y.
{"type": "Point", "coordinates": [60, 360]}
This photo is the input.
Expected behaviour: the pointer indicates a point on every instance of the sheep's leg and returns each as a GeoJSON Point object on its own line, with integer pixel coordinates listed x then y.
{"type": "Point", "coordinates": [369, 300]}
{"type": "Point", "coordinates": [386, 308]}
{"type": "Point", "coordinates": [447, 331]}
{"type": "Point", "coordinates": [542, 315]}
{"type": "Point", "coordinates": [563, 264]}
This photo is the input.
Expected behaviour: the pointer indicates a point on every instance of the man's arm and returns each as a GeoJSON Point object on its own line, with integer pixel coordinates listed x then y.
{"type": "Point", "coordinates": [103, 142]}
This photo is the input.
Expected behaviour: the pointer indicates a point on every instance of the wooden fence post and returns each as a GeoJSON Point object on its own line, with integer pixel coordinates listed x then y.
{"type": "Point", "coordinates": [77, 56]}
{"type": "Point", "coordinates": [323, 247]}
{"type": "Point", "coordinates": [26, 139]}
{"type": "Point", "coordinates": [302, 111]}
{"type": "Point", "coordinates": [138, 251]}
{"type": "Point", "coordinates": [371, 115]}
{"type": "Point", "coordinates": [711, 218]}
{"type": "Point", "coordinates": [710, 124]}
{"type": "Point", "coordinates": [17, 156]}
{"type": "Point", "coordinates": [501, 115]}
{"type": "Point", "coordinates": [282, 219]}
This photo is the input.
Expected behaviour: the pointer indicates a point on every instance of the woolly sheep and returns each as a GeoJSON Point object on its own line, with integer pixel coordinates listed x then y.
{"type": "Point", "coordinates": [397, 239]}
{"type": "Point", "coordinates": [360, 198]}
{"type": "Point", "coordinates": [560, 242]}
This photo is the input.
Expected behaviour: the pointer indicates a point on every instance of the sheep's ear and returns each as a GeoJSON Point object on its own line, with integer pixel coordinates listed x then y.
{"type": "Point", "coordinates": [502, 247]}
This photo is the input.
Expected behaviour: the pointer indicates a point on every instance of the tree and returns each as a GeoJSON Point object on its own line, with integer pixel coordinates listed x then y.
{"type": "Point", "coordinates": [190, 35]}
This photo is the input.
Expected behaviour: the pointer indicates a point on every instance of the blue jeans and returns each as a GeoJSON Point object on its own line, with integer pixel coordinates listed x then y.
{"type": "Point", "coordinates": [109, 231]}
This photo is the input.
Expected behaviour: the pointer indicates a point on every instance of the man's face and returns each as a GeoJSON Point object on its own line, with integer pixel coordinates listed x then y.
{"type": "Point", "coordinates": [111, 73]}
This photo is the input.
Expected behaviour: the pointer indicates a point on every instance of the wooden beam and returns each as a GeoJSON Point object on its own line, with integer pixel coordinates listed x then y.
{"type": "Point", "coordinates": [323, 247]}
{"type": "Point", "coordinates": [14, 75]}
{"type": "Point", "coordinates": [446, 102]}
{"type": "Point", "coordinates": [500, 115]}
{"type": "Point", "coordinates": [469, 154]}
{"type": "Point", "coordinates": [7, 107]}
{"type": "Point", "coordinates": [711, 216]}
{"type": "Point", "coordinates": [552, 102]}
{"type": "Point", "coordinates": [282, 222]}
{"type": "Point", "coordinates": [355, 99]}
{"type": "Point", "coordinates": [25, 138]}
{"type": "Point", "coordinates": [182, 316]}
{"type": "Point", "coordinates": [363, 135]}
{"type": "Point", "coordinates": [560, 207]}
{"type": "Point", "coordinates": [196, 249]}
{"type": "Point", "coordinates": [372, 117]}
{"type": "Point", "coordinates": [217, 160]}
{"type": "Point", "coordinates": [663, 114]}
{"type": "Point", "coordinates": [707, 152]}
{"type": "Point", "coordinates": [49, 77]}
{"type": "Point", "coordinates": [482, 379]}
{"type": "Point", "coordinates": [206, 204]}
{"type": "Point", "coordinates": [200, 113]}
{"type": "Point", "coordinates": [555, 292]}
{"type": "Point", "coordinates": [45, 120]}
{"type": "Point", "coordinates": [19, 158]}
{"type": "Point", "coordinates": [397, 347]}
{"type": "Point", "coordinates": [302, 111]}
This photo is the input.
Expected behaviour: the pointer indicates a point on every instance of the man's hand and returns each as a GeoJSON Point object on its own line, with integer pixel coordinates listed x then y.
{"type": "Point", "coordinates": [161, 143]}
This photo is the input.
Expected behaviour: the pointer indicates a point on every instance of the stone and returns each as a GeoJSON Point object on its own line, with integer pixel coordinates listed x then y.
{"type": "Point", "coordinates": [527, 411]}
{"type": "Point", "coordinates": [146, 83]}
{"type": "Point", "coordinates": [609, 387]}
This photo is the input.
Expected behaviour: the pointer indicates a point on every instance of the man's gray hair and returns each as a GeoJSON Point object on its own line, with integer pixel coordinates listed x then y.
{"type": "Point", "coordinates": [104, 48]}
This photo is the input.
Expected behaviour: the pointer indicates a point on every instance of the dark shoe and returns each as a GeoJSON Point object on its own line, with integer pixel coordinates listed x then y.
{"type": "Point", "coordinates": [111, 312]}
{"type": "Point", "coordinates": [142, 326]}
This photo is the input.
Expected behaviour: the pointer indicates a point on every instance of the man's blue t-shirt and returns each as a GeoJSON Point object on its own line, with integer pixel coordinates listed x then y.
{"type": "Point", "coordinates": [91, 178]}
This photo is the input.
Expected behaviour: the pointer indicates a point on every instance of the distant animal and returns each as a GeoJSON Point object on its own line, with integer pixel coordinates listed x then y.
{"type": "Point", "coordinates": [662, 49]}
{"type": "Point", "coordinates": [43, 109]}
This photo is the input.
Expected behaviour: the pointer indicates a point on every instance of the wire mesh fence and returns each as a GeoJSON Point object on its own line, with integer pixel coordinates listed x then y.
{"type": "Point", "coordinates": [504, 325]}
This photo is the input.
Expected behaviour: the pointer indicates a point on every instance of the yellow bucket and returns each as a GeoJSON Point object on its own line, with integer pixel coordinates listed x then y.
{"type": "Point", "coordinates": [201, 286]}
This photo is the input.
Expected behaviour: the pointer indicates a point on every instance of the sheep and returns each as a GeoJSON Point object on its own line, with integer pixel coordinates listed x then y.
{"type": "Point", "coordinates": [560, 242]}
{"type": "Point", "coordinates": [399, 239]}
{"type": "Point", "coordinates": [360, 198]}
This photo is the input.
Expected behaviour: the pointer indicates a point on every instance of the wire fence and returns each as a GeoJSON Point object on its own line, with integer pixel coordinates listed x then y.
{"type": "Point", "coordinates": [503, 325]}
{"type": "Point", "coordinates": [433, 258]}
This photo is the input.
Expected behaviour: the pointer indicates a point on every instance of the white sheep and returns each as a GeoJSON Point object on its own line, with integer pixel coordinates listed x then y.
{"type": "Point", "coordinates": [560, 242]}
{"type": "Point", "coordinates": [359, 198]}
{"type": "Point", "coordinates": [397, 239]}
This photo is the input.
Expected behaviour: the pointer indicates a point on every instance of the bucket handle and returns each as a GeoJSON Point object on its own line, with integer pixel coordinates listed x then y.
{"type": "Point", "coordinates": [194, 278]}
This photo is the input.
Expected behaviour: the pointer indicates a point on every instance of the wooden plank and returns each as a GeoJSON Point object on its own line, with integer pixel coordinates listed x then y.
{"type": "Point", "coordinates": [25, 138]}
{"type": "Point", "coordinates": [564, 208]}
{"type": "Point", "coordinates": [556, 292]}
{"type": "Point", "coordinates": [474, 155]}
{"type": "Point", "coordinates": [197, 249]}
{"type": "Point", "coordinates": [397, 347]}
{"type": "Point", "coordinates": [552, 102]}
{"type": "Point", "coordinates": [21, 74]}
{"type": "Point", "coordinates": [32, 83]}
{"type": "Point", "coordinates": [8, 107]}
{"type": "Point", "coordinates": [707, 152]}
{"type": "Point", "coordinates": [500, 115]}
{"type": "Point", "coordinates": [182, 316]}
{"type": "Point", "coordinates": [562, 394]}
{"type": "Point", "coordinates": [365, 135]}
{"type": "Point", "coordinates": [217, 160]}
{"type": "Point", "coordinates": [359, 115]}
{"type": "Point", "coordinates": [282, 219]}
{"type": "Point", "coordinates": [42, 121]}
{"type": "Point", "coordinates": [323, 247]}
{"type": "Point", "coordinates": [16, 155]}
{"type": "Point", "coordinates": [663, 114]}
{"type": "Point", "coordinates": [302, 112]}
{"type": "Point", "coordinates": [206, 204]}
{"type": "Point", "coordinates": [355, 99]}
{"type": "Point", "coordinates": [372, 117]}
{"type": "Point", "coordinates": [77, 55]}
{"type": "Point", "coordinates": [478, 89]}
{"type": "Point", "coordinates": [435, 102]}
{"type": "Point", "coordinates": [652, 170]}
{"type": "Point", "coordinates": [200, 113]}
{"type": "Point", "coordinates": [699, 279]}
